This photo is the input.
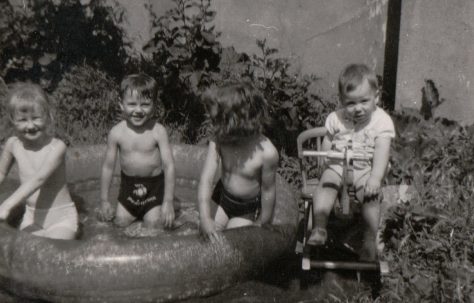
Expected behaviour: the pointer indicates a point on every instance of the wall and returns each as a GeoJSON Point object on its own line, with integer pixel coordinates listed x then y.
{"type": "Point", "coordinates": [320, 36]}
{"type": "Point", "coordinates": [437, 42]}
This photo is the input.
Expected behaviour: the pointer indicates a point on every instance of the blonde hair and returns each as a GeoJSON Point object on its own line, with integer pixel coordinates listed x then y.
{"type": "Point", "coordinates": [24, 96]}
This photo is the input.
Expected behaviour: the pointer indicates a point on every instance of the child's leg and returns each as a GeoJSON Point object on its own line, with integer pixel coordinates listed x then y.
{"type": "Point", "coordinates": [238, 222]}
{"type": "Point", "coordinates": [323, 202]}
{"type": "Point", "coordinates": [152, 219]}
{"type": "Point", "coordinates": [123, 217]}
{"type": "Point", "coordinates": [60, 232]}
{"type": "Point", "coordinates": [55, 223]}
{"type": "Point", "coordinates": [371, 216]}
{"type": "Point", "coordinates": [221, 219]}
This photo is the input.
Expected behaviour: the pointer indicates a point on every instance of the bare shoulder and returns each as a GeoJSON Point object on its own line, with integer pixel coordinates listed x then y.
{"type": "Point", "coordinates": [11, 143]}
{"type": "Point", "coordinates": [117, 131]}
{"type": "Point", "coordinates": [269, 151]}
{"type": "Point", "coordinates": [159, 131]}
{"type": "Point", "coordinates": [58, 145]}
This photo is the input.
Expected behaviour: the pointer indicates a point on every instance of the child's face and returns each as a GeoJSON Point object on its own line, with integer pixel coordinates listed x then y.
{"type": "Point", "coordinates": [30, 123]}
{"type": "Point", "coordinates": [137, 109]}
{"type": "Point", "coordinates": [360, 103]}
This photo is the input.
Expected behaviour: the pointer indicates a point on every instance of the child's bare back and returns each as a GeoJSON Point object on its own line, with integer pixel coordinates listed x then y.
{"type": "Point", "coordinates": [242, 157]}
{"type": "Point", "coordinates": [242, 165]}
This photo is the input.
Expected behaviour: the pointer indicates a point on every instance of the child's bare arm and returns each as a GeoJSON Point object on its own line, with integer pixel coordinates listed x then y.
{"type": "Point", "coordinates": [270, 163]}
{"type": "Point", "coordinates": [169, 171]}
{"type": "Point", "coordinates": [6, 159]}
{"type": "Point", "coordinates": [327, 143]}
{"type": "Point", "coordinates": [108, 166]}
{"type": "Point", "coordinates": [54, 159]}
{"type": "Point", "coordinates": [379, 165]}
{"type": "Point", "coordinates": [211, 165]}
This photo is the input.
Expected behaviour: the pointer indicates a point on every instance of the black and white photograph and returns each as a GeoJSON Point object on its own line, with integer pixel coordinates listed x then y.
{"type": "Point", "coordinates": [236, 151]}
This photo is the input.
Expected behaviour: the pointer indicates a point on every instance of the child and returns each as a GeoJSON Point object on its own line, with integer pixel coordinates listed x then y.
{"type": "Point", "coordinates": [371, 131]}
{"type": "Point", "coordinates": [244, 159]}
{"type": "Point", "coordinates": [141, 143]}
{"type": "Point", "coordinates": [50, 211]}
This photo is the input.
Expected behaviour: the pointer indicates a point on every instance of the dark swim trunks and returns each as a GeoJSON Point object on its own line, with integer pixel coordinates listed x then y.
{"type": "Point", "coordinates": [140, 194]}
{"type": "Point", "coordinates": [234, 206]}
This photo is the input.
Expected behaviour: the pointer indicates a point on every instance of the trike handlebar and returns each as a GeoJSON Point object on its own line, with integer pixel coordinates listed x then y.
{"type": "Point", "coordinates": [337, 155]}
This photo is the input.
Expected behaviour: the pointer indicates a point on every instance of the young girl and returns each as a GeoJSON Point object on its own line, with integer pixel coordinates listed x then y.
{"type": "Point", "coordinates": [245, 160]}
{"type": "Point", "coordinates": [50, 211]}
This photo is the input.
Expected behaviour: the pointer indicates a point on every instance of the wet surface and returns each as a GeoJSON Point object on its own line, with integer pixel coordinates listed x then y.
{"type": "Point", "coordinates": [283, 281]}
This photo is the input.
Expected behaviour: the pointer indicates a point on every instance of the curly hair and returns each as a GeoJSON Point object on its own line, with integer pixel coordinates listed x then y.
{"type": "Point", "coordinates": [145, 86]}
{"type": "Point", "coordinates": [237, 111]}
{"type": "Point", "coordinates": [353, 75]}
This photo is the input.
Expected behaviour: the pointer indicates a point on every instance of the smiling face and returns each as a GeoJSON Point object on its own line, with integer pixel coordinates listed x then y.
{"type": "Point", "coordinates": [30, 123]}
{"type": "Point", "coordinates": [360, 103]}
{"type": "Point", "coordinates": [137, 109]}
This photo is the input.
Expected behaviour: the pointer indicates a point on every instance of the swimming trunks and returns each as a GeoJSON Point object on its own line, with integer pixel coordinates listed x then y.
{"type": "Point", "coordinates": [41, 222]}
{"type": "Point", "coordinates": [140, 194]}
{"type": "Point", "coordinates": [234, 206]}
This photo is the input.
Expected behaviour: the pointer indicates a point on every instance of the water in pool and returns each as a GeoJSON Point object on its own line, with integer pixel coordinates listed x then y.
{"type": "Point", "coordinates": [280, 283]}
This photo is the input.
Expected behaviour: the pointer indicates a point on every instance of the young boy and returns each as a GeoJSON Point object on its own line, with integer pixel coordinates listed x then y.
{"type": "Point", "coordinates": [141, 143]}
{"type": "Point", "coordinates": [371, 131]}
{"type": "Point", "coordinates": [245, 160]}
{"type": "Point", "coordinates": [49, 211]}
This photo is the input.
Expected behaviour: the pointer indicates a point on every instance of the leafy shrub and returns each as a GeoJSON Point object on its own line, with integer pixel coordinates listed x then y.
{"type": "Point", "coordinates": [86, 102]}
{"type": "Point", "coordinates": [185, 55]}
{"type": "Point", "coordinates": [292, 107]}
{"type": "Point", "coordinates": [187, 58]}
{"type": "Point", "coordinates": [429, 240]}
{"type": "Point", "coordinates": [43, 40]}
{"type": "Point", "coordinates": [5, 128]}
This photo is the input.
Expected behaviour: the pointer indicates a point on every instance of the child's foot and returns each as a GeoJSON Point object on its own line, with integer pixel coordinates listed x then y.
{"type": "Point", "coordinates": [318, 236]}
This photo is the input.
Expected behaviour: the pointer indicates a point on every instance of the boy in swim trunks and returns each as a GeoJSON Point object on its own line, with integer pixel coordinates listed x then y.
{"type": "Point", "coordinates": [50, 211]}
{"type": "Point", "coordinates": [144, 152]}
{"type": "Point", "coordinates": [244, 160]}
{"type": "Point", "coordinates": [371, 130]}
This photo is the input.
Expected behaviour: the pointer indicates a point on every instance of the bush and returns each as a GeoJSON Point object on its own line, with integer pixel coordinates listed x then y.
{"type": "Point", "coordinates": [86, 102]}
{"type": "Point", "coordinates": [429, 239]}
{"type": "Point", "coordinates": [187, 58]}
{"type": "Point", "coordinates": [42, 41]}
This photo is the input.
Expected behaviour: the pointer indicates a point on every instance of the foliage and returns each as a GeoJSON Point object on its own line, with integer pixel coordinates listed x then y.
{"type": "Point", "coordinates": [292, 107]}
{"type": "Point", "coordinates": [44, 39]}
{"type": "Point", "coordinates": [5, 130]}
{"type": "Point", "coordinates": [185, 57]}
{"type": "Point", "coordinates": [86, 102]}
{"type": "Point", "coordinates": [429, 240]}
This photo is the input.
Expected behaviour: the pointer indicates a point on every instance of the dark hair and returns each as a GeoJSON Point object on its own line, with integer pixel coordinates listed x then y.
{"type": "Point", "coordinates": [145, 86]}
{"type": "Point", "coordinates": [237, 111]}
{"type": "Point", "coordinates": [353, 75]}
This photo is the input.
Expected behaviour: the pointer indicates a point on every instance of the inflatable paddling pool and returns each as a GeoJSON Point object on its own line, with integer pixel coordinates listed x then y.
{"type": "Point", "coordinates": [106, 268]}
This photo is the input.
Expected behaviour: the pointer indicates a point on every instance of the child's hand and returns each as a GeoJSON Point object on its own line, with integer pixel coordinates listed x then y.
{"type": "Point", "coordinates": [167, 213]}
{"type": "Point", "coordinates": [372, 187]}
{"type": "Point", "coordinates": [106, 212]}
{"type": "Point", "coordinates": [208, 230]}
